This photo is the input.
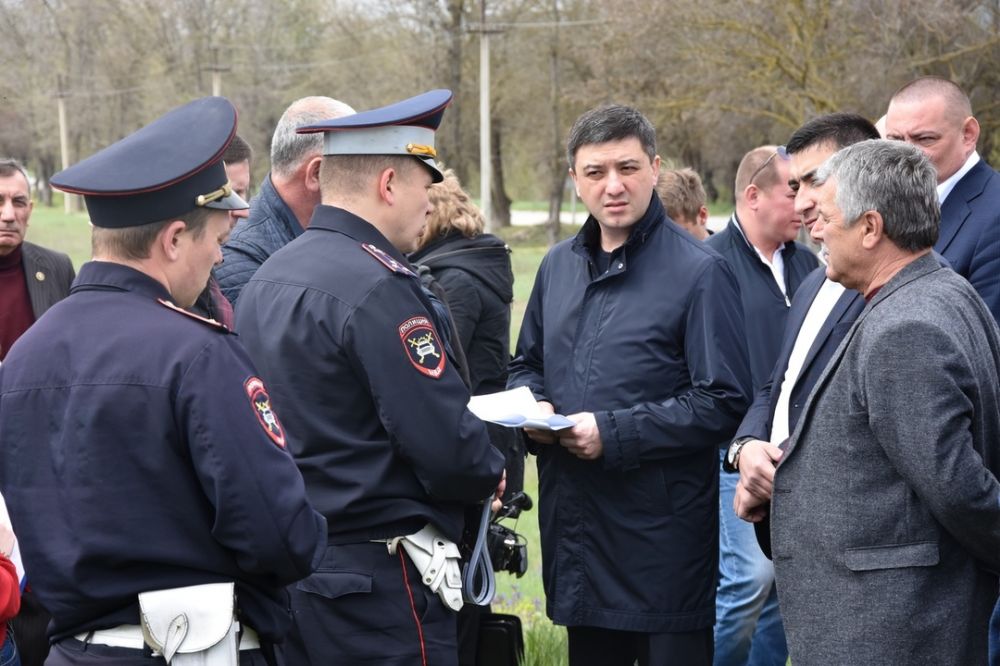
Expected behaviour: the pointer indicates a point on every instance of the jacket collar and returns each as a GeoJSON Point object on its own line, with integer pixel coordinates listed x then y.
{"type": "Point", "coordinates": [786, 250]}
{"type": "Point", "coordinates": [338, 220]}
{"type": "Point", "coordinates": [588, 241]}
{"type": "Point", "coordinates": [277, 207]}
{"type": "Point", "coordinates": [109, 276]}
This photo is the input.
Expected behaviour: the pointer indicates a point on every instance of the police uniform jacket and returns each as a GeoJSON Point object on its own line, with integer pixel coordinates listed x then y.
{"type": "Point", "coordinates": [654, 348]}
{"type": "Point", "coordinates": [138, 453]}
{"type": "Point", "coordinates": [376, 416]}
{"type": "Point", "coordinates": [270, 226]}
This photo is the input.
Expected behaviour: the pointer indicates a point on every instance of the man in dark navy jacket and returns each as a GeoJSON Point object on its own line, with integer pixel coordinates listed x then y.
{"type": "Point", "coordinates": [821, 314]}
{"type": "Point", "coordinates": [138, 449]}
{"type": "Point", "coordinates": [635, 330]}
{"type": "Point", "coordinates": [759, 244]}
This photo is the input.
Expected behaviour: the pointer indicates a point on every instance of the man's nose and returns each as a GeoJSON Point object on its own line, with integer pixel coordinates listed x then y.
{"type": "Point", "coordinates": [614, 184]}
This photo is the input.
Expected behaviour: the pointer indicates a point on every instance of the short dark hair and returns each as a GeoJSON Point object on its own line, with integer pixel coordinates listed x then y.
{"type": "Point", "coordinates": [840, 129]}
{"type": "Point", "coordinates": [612, 122]}
{"type": "Point", "coordinates": [238, 151]}
{"type": "Point", "coordinates": [9, 166]}
{"type": "Point", "coordinates": [135, 242]}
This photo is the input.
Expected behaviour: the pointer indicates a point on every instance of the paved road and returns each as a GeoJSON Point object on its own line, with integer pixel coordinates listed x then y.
{"type": "Point", "coordinates": [530, 217]}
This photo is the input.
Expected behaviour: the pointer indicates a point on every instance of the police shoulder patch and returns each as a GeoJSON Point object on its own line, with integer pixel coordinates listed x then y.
{"type": "Point", "coordinates": [387, 260]}
{"type": "Point", "coordinates": [422, 346]}
{"type": "Point", "coordinates": [261, 403]}
{"type": "Point", "coordinates": [208, 322]}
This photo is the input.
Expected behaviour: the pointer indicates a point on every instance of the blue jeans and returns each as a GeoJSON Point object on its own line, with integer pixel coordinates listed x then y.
{"type": "Point", "coordinates": [748, 626]}
{"type": "Point", "coordinates": [995, 636]}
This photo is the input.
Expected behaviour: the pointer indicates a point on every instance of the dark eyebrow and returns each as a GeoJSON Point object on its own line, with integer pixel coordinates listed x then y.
{"type": "Point", "coordinates": [808, 176]}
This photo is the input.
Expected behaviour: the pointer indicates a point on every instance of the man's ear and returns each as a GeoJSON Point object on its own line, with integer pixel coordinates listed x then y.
{"type": "Point", "coordinates": [873, 229]}
{"type": "Point", "coordinates": [572, 174]}
{"type": "Point", "coordinates": [751, 194]}
{"type": "Point", "coordinates": [702, 216]}
{"type": "Point", "coordinates": [168, 241]}
{"type": "Point", "coordinates": [970, 133]}
{"type": "Point", "coordinates": [387, 182]}
{"type": "Point", "coordinates": [312, 173]}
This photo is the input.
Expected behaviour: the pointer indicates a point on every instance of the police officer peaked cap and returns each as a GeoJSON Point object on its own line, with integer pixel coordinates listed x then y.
{"type": "Point", "coordinates": [403, 128]}
{"type": "Point", "coordinates": [166, 169]}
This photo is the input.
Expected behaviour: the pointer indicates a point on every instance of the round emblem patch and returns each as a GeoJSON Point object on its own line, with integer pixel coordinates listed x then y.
{"type": "Point", "coordinates": [261, 403]}
{"type": "Point", "coordinates": [420, 341]}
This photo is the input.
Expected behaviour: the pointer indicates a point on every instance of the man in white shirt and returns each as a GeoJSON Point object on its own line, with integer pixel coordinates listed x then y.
{"type": "Point", "coordinates": [821, 313]}
{"type": "Point", "coordinates": [759, 245]}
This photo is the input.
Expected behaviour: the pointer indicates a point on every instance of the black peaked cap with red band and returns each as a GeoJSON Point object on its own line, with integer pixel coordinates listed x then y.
{"type": "Point", "coordinates": [165, 169]}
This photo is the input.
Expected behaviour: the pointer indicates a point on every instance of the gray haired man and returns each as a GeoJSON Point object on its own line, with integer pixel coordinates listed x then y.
{"type": "Point", "coordinates": [885, 516]}
{"type": "Point", "coordinates": [287, 196]}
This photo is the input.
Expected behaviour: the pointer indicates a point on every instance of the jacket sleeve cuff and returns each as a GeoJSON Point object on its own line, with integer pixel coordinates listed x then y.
{"type": "Point", "coordinates": [620, 438]}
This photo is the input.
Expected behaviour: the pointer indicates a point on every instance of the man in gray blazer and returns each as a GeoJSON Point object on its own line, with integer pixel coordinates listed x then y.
{"type": "Point", "coordinates": [32, 279]}
{"type": "Point", "coordinates": [885, 516]}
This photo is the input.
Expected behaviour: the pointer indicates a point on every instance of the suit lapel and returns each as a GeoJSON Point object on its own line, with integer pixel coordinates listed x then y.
{"type": "Point", "coordinates": [843, 304]}
{"type": "Point", "coordinates": [955, 210]}
{"type": "Point", "coordinates": [911, 272]}
{"type": "Point", "coordinates": [39, 278]}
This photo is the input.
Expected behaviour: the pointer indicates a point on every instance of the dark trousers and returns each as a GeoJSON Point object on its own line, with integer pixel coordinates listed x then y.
{"type": "Point", "coordinates": [71, 652]}
{"type": "Point", "coordinates": [365, 606]}
{"type": "Point", "coordinates": [593, 646]}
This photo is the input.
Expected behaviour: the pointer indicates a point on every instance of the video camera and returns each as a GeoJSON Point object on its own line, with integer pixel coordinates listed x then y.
{"type": "Point", "coordinates": [508, 549]}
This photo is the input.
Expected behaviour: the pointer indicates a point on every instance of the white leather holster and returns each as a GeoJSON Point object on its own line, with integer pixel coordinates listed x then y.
{"type": "Point", "coordinates": [438, 561]}
{"type": "Point", "coordinates": [192, 626]}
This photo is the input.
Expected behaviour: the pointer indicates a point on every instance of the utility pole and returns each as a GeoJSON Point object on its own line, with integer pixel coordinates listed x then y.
{"type": "Point", "coordinates": [485, 165]}
{"type": "Point", "coordinates": [216, 71]}
{"type": "Point", "coordinates": [69, 200]}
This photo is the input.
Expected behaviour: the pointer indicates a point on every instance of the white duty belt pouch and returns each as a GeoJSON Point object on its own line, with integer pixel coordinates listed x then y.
{"type": "Point", "coordinates": [438, 561]}
{"type": "Point", "coordinates": [192, 626]}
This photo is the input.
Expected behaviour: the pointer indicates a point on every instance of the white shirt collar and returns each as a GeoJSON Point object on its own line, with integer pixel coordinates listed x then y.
{"type": "Point", "coordinates": [945, 188]}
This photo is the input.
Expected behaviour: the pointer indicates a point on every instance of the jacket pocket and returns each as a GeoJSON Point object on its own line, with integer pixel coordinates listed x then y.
{"type": "Point", "coordinates": [922, 554]}
{"type": "Point", "coordinates": [334, 584]}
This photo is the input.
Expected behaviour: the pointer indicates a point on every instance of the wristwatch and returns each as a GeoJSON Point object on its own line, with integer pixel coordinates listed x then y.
{"type": "Point", "coordinates": [732, 461]}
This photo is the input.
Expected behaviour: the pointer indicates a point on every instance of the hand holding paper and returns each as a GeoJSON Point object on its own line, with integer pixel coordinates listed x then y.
{"type": "Point", "coordinates": [516, 409]}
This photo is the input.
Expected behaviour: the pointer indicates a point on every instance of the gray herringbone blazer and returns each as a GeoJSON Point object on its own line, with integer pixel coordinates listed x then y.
{"type": "Point", "coordinates": [886, 507]}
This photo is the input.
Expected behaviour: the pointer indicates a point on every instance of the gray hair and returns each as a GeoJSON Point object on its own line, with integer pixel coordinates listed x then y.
{"type": "Point", "coordinates": [9, 166]}
{"type": "Point", "coordinates": [890, 177]}
{"type": "Point", "coordinates": [288, 149]}
{"type": "Point", "coordinates": [613, 122]}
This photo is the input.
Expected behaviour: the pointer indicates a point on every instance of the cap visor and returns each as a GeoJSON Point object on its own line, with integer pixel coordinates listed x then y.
{"type": "Point", "coordinates": [436, 174]}
{"type": "Point", "coordinates": [232, 202]}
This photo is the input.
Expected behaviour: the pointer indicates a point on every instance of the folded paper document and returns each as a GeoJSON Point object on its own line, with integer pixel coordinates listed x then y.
{"type": "Point", "coordinates": [516, 408]}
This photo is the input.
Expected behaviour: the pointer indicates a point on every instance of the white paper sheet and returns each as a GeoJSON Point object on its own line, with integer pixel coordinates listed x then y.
{"type": "Point", "coordinates": [516, 408]}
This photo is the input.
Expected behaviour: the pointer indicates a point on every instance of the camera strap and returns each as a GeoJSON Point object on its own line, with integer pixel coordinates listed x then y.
{"type": "Point", "coordinates": [479, 569]}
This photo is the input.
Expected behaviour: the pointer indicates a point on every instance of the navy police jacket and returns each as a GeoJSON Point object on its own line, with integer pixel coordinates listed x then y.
{"type": "Point", "coordinates": [376, 415]}
{"type": "Point", "coordinates": [138, 452]}
{"type": "Point", "coordinates": [654, 348]}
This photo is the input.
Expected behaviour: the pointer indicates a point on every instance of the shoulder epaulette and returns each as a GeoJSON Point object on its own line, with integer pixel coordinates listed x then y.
{"type": "Point", "coordinates": [387, 260]}
{"type": "Point", "coordinates": [208, 322]}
